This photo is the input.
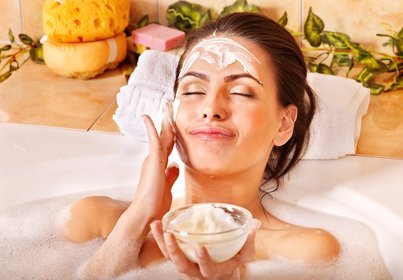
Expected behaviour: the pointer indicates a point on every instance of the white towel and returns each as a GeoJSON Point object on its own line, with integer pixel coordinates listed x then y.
{"type": "Point", "coordinates": [336, 126]}
{"type": "Point", "coordinates": [149, 85]}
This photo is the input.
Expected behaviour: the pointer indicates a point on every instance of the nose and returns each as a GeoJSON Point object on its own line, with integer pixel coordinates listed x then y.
{"type": "Point", "coordinates": [214, 108]}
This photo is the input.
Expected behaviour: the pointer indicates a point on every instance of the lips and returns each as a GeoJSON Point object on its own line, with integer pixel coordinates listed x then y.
{"type": "Point", "coordinates": [211, 133]}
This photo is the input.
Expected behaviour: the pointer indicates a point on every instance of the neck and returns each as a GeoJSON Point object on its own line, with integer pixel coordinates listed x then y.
{"type": "Point", "coordinates": [241, 189]}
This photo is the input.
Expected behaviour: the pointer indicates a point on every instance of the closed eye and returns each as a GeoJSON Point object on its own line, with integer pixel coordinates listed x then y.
{"type": "Point", "coordinates": [193, 93]}
{"type": "Point", "coordinates": [242, 94]}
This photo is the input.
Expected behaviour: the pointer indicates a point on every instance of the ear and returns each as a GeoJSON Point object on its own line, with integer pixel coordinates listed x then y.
{"type": "Point", "coordinates": [286, 128]}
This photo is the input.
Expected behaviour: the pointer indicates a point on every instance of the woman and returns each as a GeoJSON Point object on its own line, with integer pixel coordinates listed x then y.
{"type": "Point", "coordinates": [244, 114]}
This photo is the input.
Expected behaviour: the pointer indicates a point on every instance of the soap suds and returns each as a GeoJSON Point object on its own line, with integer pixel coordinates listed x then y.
{"type": "Point", "coordinates": [32, 245]}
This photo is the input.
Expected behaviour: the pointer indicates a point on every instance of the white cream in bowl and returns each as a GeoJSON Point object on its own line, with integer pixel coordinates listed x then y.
{"type": "Point", "coordinates": [221, 228]}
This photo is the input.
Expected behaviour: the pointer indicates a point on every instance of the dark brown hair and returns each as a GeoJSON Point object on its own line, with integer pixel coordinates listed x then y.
{"type": "Point", "coordinates": [291, 72]}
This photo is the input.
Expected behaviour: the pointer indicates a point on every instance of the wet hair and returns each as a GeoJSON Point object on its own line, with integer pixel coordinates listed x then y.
{"type": "Point", "coordinates": [290, 76]}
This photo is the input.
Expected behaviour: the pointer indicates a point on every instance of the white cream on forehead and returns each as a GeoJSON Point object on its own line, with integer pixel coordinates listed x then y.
{"type": "Point", "coordinates": [221, 52]}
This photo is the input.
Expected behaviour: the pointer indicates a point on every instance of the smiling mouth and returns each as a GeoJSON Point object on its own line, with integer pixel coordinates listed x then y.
{"type": "Point", "coordinates": [211, 133]}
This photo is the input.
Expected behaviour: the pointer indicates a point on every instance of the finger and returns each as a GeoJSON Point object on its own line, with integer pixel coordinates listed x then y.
{"type": "Point", "coordinates": [167, 135]}
{"type": "Point", "coordinates": [172, 173]}
{"type": "Point", "coordinates": [206, 265]}
{"type": "Point", "coordinates": [247, 252]}
{"type": "Point", "coordinates": [208, 268]}
{"type": "Point", "coordinates": [151, 132]}
{"type": "Point", "coordinates": [182, 264]}
{"type": "Point", "coordinates": [156, 230]}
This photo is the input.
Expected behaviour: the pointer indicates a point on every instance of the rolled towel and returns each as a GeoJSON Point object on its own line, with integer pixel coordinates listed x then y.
{"type": "Point", "coordinates": [149, 85]}
{"type": "Point", "coordinates": [337, 123]}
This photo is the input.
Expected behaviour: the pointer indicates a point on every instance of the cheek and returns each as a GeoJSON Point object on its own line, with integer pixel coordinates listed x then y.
{"type": "Point", "coordinates": [182, 119]}
{"type": "Point", "coordinates": [259, 123]}
{"type": "Point", "coordinates": [257, 134]}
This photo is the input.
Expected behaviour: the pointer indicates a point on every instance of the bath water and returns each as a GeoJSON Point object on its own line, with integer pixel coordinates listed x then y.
{"type": "Point", "coordinates": [32, 245]}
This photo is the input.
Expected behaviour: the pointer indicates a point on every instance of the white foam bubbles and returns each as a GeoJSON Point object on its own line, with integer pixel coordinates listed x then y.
{"type": "Point", "coordinates": [32, 245]}
{"type": "Point", "coordinates": [359, 257]}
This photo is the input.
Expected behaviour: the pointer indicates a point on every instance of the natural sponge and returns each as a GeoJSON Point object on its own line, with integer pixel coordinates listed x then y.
{"type": "Point", "coordinates": [85, 60]}
{"type": "Point", "coordinates": [74, 21]}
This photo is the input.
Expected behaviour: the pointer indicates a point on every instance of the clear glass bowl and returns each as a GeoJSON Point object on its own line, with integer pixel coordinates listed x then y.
{"type": "Point", "coordinates": [193, 227]}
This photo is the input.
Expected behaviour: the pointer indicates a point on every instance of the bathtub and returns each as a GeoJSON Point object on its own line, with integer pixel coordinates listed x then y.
{"type": "Point", "coordinates": [41, 162]}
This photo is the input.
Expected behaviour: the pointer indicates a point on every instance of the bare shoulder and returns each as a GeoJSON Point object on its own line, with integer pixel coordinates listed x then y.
{"type": "Point", "coordinates": [309, 244]}
{"type": "Point", "coordinates": [93, 216]}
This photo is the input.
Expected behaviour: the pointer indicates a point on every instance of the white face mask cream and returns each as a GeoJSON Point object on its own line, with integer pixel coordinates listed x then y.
{"type": "Point", "coordinates": [221, 228]}
{"type": "Point", "coordinates": [169, 110]}
{"type": "Point", "coordinates": [221, 52]}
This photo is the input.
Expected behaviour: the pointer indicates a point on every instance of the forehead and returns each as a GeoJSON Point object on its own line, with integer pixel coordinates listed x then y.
{"type": "Point", "coordinates": [196, 57]}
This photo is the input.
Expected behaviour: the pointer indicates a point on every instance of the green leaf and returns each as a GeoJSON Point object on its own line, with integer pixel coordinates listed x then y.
{"type": "Point", "coordinates": [341, 60]}
{"type": "Point", "coordinates": [374, 88]}
{"type": "Point", "coordinates": [399, 43]}
{"type": "Point", "coordinates": [5, 48]}
{"type": "Point", "coordinates": [36, 54]}
{"type": "Point", "coordinates": [143, 21]}
{"type": "Point", "coordinates": [313, 28]}
{"type": "Point", "coordinates": [187, 16]}
{"type": "Point", "coordinates": [240, 6]}
{"type": "Point", "coordinates": [313, 67]}
{"type": "Point", "coordinates": [26, 39]}
{"type": "Point", "coordinates": [11, 36]}
{"type": "Point", "coordinates": [398, 84]}
{"type": "Point", "coordinates": [363, 56]}
{"type": "Point", "coordinates": [325, 69]}
{"type": "Point", "coordinates": [5, 76]}
{"type": "Point", "coordinates": [364, 75]}
{"type": "Point", "coordinates": [320, 68]}
{"type": "Point", "coordinates": [283, 20]}
{"type": "Point", "coordinates": [336, 39]}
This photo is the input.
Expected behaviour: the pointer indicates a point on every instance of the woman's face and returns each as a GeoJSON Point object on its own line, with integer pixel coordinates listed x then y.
{"type": "Point", "coordinates": [228, 118]}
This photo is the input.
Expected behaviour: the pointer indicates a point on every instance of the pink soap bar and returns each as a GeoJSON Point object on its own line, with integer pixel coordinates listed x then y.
{"type": "Point", "coordinates": [158, 37]}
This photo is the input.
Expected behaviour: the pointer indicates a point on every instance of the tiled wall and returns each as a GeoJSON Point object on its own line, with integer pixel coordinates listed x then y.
{"type": "Point", "coordinates": [361, 19]}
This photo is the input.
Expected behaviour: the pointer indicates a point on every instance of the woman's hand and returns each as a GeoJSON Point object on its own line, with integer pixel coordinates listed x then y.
{"type": "Point", "coordinates": [153, 196]}
{"type": "Point", "coordinates": [120, 251]}
{"type": "Point", "coordinates": [205, 268]}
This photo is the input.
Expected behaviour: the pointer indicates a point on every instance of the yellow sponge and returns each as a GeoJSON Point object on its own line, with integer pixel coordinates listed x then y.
{"type": "Point", "coordinates": [74, 21]}
{"type": "Point", "coordinates": [85, 60]}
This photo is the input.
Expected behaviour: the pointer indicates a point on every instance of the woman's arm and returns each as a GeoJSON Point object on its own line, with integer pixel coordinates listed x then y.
{"type": "Point", "coordinates": [120, 251]}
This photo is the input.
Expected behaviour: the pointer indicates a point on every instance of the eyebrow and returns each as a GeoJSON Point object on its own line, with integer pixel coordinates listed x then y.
{"type": "Point", "coordinates": [227, 79]}
{"type": "Point", "coordinates": [197, 75]}
{"type": "Point", "coordinates": [234, 77]}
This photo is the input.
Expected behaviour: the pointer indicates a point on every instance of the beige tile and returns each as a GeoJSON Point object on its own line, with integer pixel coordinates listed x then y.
{"type": "Point", "coordinates": [382, 126]}
{"type": "Point", "coordinates": [105, 122]}
{"type": "Point", "coordinates": [10, 18]}
{"type": "Point", "coordinates": [271, 8]}
{"type": "Point", "coordinates": [360, 19]}
{"type": "Point", "coordinates": [140, 8]}
{"type": "Point", "coordinates": [35, 95]}
{"type": "Point", "coordinates": [32, 15]}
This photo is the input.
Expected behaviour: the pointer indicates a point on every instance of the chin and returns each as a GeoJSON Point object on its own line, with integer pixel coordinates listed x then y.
{"type": "Point", "coordinates": [210, 167]}
{"type": "Point", "coordinates": [206, 171]}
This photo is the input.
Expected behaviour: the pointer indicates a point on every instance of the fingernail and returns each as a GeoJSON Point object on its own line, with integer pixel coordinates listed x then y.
{"type": "Point", "coordinates": [152, 225]}
{"type": "Point", "coordinates": [200, 252]}
{"type": "Point", "coordinates": [173, 164]}
{"type": "Point", "coordinates": [143, 117]}
{"type": "Point", "coordinates": [169, 239]}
